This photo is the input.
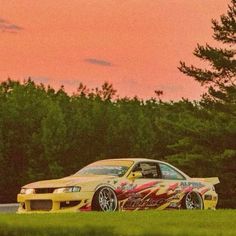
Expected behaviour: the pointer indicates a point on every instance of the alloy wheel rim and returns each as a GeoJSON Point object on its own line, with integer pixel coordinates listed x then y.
{"type": "Point", "coordinates": [193, 201]}
{"type": "Point", "coordinates": [107, 199]}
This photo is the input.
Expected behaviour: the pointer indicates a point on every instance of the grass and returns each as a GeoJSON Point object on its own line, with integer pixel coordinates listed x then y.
{"type": "Point", "coordinates": [161, 223]}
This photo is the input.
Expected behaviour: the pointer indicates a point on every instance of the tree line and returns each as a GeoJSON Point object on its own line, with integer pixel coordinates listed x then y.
{"type": "Point", "coordinates": [47, 133]}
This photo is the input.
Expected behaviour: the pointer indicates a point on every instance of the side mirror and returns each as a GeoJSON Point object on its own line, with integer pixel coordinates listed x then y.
{"type": "Point", "coordinates": [135, 175]}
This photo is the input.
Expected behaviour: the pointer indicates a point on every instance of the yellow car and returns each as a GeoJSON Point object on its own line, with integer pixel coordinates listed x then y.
{"type": "Point", "coordinates": [120, 184]}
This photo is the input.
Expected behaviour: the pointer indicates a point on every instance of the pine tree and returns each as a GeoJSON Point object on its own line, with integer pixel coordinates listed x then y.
{"type": "Point", "coordinates": [220, 76]}
{"type": "Point", "coordinates": [214, 138]}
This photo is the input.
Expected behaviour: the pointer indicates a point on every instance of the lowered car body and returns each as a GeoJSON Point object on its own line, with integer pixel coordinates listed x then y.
{"type": "Point", "coordinates": [120, 184]}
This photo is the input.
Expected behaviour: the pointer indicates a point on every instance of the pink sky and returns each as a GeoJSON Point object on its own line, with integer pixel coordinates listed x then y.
{"type": "Point", "coordinates": [134, 44]}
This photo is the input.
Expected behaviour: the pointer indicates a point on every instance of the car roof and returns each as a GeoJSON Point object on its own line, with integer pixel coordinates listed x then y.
{"type": "Point", "coordinates": [130, 159]}
{"type": "Point", "coordinates": [135, 160]}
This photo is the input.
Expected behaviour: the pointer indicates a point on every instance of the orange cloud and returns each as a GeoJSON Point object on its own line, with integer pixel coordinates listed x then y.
{"type": "Point", "coordinates": [99, 62]}
{"type": "Point", "coordinates": [8, 27]}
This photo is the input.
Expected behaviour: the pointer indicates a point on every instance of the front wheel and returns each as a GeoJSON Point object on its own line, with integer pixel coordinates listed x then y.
{"type": "Point", "coordinates": [105, 200]}
{"type": "Point", "coordinates": [192, 201]}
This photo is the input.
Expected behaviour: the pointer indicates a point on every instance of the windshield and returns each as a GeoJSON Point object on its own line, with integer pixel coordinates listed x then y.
{"type": "Point", "coordinates": [106, 168]}
{"type": "Point", "coordinates": [103, 170]}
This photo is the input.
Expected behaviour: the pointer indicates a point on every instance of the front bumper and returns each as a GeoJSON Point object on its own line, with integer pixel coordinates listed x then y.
{"type": "Point", "coordinates": [55, 202]}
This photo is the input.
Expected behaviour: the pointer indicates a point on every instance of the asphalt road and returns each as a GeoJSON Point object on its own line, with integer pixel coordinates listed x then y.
{"type": "Point", "coordinates": [12, 207]}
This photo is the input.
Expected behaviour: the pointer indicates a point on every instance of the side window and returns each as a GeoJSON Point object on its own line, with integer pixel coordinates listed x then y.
{"type": "Point", "coordinates": [150, 170]}
{"type": "Point", "coordinates": [169, 173]}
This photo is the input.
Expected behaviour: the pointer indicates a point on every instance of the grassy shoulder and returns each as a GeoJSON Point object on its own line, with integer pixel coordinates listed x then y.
{"type": "Point", "coordinates": [162, 223]}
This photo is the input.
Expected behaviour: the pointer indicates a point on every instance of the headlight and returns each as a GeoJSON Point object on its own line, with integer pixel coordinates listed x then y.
{"type": "Point", "coordinates": [67, 190]}
{"type": "Point", "coordinates": [27, 191]}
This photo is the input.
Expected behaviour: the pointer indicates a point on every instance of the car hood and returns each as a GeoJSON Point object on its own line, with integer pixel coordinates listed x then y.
{"type": "Point", "coordinates": [68, 181]}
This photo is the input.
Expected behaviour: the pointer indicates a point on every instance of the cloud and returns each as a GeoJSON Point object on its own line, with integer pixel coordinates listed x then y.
{"type": "Point", "coordinates": [39, 79]}
{"type": "Point", "coordinates": [2, 20]}
{"type": "Point", "coordinates": [99, 62]}
{"type": "Point", "coordinates": [69, 82]}
{"type": "Point", "coordinates": [8, 27]}
{"type": "Point", "coordinates": [171, 87]}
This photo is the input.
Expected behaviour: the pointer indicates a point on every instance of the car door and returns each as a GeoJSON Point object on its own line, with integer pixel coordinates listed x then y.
{"type": "Point", "coordinates": [142, 192]}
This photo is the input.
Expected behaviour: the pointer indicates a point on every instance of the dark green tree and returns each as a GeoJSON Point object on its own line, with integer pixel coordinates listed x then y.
{"type": "Point", "coordinates": [220, 74]}
{"type": "Point", "coordinates": [214, 138]}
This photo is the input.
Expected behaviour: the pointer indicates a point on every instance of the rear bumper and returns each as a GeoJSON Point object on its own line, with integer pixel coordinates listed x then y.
{"type": "Point", "coordinates": [210, 200]}
{"type": "Point", "coordinates": [54, 202]}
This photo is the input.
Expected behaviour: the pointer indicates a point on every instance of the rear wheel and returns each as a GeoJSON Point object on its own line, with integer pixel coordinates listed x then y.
{"type": "Point", "coordinates": [192, 201]}
{"type": "Point", "coordinates": [105, 200]}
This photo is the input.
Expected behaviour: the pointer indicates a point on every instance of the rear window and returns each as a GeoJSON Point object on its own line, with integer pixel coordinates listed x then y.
{"type": "Point", "coordinates": [168, 172]}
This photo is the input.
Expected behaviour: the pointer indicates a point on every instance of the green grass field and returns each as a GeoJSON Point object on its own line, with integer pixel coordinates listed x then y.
{"type": "Point", "coordinates": [220, 222]}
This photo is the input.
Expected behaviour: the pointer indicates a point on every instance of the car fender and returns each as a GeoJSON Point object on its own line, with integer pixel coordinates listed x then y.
{"type": "Point", "coordinates": [104, 185]}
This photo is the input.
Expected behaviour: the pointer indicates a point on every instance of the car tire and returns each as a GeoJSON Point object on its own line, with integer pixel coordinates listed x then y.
{"type": "Point", "coordinates": [192, 201]}
{"type": "Point", "coordinates": [105, 199]}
